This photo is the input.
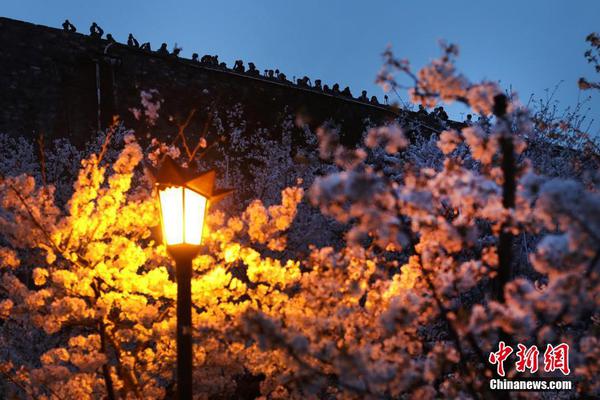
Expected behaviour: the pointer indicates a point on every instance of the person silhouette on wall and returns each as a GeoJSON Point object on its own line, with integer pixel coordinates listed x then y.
{"type": "Point", "coordinates": [239, 66]}
{"type": "Point", "coordinates": [95, 31]}
{"type": "Point", "coordinates": [441, 113]}
{"type": "Point", "coordinates": [68, 26]}
{"type": "Point", "coordinates": [252, 69]}
{"type": "Point", "coordinates": [131, 41]}
{"type": "Point", "coordinates": [303, 82]}
{"type": "Point", "coordinates": [163, 49]}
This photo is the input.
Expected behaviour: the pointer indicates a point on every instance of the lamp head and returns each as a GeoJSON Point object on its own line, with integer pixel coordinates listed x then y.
{"type": "Point", "coordinates": [184, 198]}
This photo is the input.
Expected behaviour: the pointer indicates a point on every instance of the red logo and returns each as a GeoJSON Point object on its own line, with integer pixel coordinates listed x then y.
{"type": "Point", "coordinates": [528, 358]}
{"type": "Point", "coordinates": [555, 358]}
{"type": "Point", "coordinates": [500, 356]}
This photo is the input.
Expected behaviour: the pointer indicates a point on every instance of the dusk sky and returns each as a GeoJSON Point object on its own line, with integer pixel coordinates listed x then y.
{"type": "Point", "coordinates": [529, 45]}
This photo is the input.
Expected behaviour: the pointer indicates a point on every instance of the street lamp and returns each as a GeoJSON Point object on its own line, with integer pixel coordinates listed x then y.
{"type": "Point", "coordinates": [184, 198]}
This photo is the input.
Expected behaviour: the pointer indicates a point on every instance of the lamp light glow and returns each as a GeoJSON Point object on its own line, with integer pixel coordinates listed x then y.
{"type": "Point", "coordinates": [171, 200]}
{"type": "Point", "coordinates": [184, 199]}
{"type": "Point", "coordinates": [194, 210]}
{"type": "Point", "coordinates": [183, 212]}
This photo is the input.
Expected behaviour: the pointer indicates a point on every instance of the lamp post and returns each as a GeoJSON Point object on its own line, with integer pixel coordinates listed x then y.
{"type": "Point", "coordinates": [184, 198]}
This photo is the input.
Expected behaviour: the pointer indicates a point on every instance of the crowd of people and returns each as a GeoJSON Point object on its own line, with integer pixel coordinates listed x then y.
{"type": "Point", "coordinates": [275, 75]}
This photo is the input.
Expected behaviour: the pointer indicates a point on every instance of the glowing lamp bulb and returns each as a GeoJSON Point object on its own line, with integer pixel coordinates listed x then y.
{"type": "Point", "coordinates": [182, 211]}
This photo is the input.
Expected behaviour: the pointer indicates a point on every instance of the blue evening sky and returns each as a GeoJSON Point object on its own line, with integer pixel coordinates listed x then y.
{"type": "Point", "coordinates": [530, 45]}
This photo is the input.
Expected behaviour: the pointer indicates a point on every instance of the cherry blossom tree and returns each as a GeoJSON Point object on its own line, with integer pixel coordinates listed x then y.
{"type": "Point", "coordinates": [424, 282]}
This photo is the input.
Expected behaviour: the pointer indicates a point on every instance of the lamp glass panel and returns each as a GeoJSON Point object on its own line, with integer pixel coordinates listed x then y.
{"type": "Point", "coordinates": [171, 207]}
{"type": "Point", "coordinates": [195, 207]}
